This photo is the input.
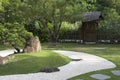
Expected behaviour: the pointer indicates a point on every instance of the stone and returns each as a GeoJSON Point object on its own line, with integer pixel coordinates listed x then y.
{"type": "Point", "coordinates": [76, 59]}
{"type": "Point", "coordinates": [4, 60]}
{"type": "Point", "coordinates": [49, 69]}
{"type": "Point", "coordinates": [116, 72]}
{"type": "Point", "coordinates": [79, 79]}
{"type": "Point", "coordinates": [100, 76]}
{"type": "Point", "coordinates": [33, 45]}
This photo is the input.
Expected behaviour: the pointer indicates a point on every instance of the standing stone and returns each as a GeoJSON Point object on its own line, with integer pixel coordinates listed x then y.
{"type": "Point", "coordinates": [33, 45]}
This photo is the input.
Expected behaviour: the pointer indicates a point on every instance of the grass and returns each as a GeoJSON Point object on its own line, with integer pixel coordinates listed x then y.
{"type": "Point", "coordinates": [24, 63]}
{"type": "Point", "coordinates": [32, 63]}
{"type": "Point", "coordinates": [107, 51]}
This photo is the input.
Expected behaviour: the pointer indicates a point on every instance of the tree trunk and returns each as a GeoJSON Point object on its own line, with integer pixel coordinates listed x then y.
{"type": "Point", "coordinates": [16, 48]}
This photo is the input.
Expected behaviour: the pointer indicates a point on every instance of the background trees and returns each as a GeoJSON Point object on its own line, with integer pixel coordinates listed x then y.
{"type": "Point", "coordinates": [51, 13]}
{"type": "Point", "coordinates": [45, 17]}
{"type": "Point", "coordinates": [111, 23]}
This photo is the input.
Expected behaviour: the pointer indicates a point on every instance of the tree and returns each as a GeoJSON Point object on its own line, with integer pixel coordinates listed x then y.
{"type": "Point", "coordinates": [110, 26]}
{"type": "Point", "coordinates": [38, 30]}
{"type": "Point", "coordinates": [2, 2]}
{"type": "Point", "coordinates": [111, 21]}
{"type": "Point", "coordinates": [12, 28]}
{"type": "Point", "coordinates": [51, 13]}
{"type": "Point", "coordinates": [14, 34]}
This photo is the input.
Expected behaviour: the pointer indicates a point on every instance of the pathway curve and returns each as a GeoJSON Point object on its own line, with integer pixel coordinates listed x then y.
{"type": "Point", "coordinates": [88, 64]}
{"type": "Point", "coordinates": [5, 53]}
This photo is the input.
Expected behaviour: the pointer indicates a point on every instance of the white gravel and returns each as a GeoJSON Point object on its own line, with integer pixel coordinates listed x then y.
{"type": "Point", "coordinates": [5, 53]}
{"type": "Point", "coordinates": [88, 64]}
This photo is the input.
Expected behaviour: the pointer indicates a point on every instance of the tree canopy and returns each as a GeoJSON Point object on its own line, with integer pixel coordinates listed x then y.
{"type": "Point", "coordinates": [45, 17]}
{"type": "Point", "coordinates": [12, 29]}
{"type": "Point", "coordinates": [51, 13]}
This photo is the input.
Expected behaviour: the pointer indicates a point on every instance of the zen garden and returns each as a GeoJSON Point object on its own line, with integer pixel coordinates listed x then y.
{"type": "Point", "coordinates": [59, 39]}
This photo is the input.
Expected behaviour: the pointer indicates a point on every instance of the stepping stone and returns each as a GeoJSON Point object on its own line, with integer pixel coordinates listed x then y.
{"type": "Point", "coordinates": [79, 79]}
{"type": "Point", "coordinates": [116, 72]}
{"type": "Point", "coordinates": [100, 76]}
{"type": "Point", "coordinates": [76, 59]}
{"type": "Point", "coordinates": [49, 69]}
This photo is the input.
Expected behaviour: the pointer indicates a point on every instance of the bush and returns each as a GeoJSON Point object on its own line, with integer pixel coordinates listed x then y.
{"type": "Point", "coordinates": [38, 30]}
{"type": "Point", "coordinates": [69, 31]}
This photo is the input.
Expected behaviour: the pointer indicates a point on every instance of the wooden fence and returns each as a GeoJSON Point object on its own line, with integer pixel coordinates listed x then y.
{"type": "Point", "coordinates": [103, 36]}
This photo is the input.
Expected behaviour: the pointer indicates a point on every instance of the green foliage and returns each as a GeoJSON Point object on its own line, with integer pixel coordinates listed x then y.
{"type": "Point", "coordinates": [69, 31]}
{"type": "Point", "coordinates": [13, 12]}
{"type": "Point", "coordinates": [44, 18]}
{"type": "Point", "coordinates": [69, 26]}
{"type": "Point", "coordinates": [3, 32]}
{"type": "Point", "coordinates": [110, 26]}
{"type": "Point", "coordinates": [15, 34]}
{"type": "Point", "coordinates": [38, 30]}
{"type": "Point", "coordinates": [3, 2]}
{"type": "Point", "coordinates": [12, 29]}
{"type": "Point", "coordinates": [51, 13]}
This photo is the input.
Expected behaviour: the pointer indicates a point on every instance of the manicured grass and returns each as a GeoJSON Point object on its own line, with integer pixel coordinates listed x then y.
{"type": "Point", "coordinates": [33, 62]}
{"type": "Point", "coordinates": [107, 51]}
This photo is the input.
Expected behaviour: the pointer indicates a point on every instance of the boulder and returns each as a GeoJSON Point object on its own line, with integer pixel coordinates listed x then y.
{"type": "Point", "coordinates": [33, 45]}
{"type": "Point", "coordinates": [4, 60]}
{"type": "Point", "coordinates": [1, 60]}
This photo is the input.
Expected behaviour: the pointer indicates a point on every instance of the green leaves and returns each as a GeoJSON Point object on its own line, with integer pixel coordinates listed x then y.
{"type": "Point", "coordinates": [3, 32]}
{"type": "Point", "coordinates": [14, 33]}
{"type": "Point", "coordinates": [3, 2]}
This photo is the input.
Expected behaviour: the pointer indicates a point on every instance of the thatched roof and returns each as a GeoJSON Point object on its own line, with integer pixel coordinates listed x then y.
{"type": "Point", "coordinates": [92, 16]}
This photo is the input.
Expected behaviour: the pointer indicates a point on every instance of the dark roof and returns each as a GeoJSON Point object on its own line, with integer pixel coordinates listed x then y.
{"type": "Point", "coordinates": [92, 16]}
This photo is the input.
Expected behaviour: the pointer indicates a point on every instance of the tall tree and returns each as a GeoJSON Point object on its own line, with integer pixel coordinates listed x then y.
{"type": "Point", "coordinates": [51, 13]}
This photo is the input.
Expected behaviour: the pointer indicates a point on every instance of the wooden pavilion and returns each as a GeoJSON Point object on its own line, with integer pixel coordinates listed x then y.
{"type": "Point", "coordinates": [89, 25]}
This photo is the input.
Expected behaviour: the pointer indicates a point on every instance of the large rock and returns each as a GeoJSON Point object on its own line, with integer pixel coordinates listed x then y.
{"type": "Point", "coordinates": [4, 60]}
{"type": "Point", "coordinates": [33, 45]}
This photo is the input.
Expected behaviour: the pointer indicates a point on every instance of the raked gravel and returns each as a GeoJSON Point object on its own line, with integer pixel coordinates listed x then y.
{"type": "Point", "coordinates": [88, 63]}
{"type": "Point", "coordinates": [5, 53]}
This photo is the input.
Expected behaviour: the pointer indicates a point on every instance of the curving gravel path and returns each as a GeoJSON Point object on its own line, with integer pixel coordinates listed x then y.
{"type": "Point", "coordinates": [5, 53]}
{"type": "Point", "coordinates": [88, 63]}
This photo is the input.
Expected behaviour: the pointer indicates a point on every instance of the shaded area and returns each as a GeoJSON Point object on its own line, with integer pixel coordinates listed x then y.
{"type": "Point", "coordinates": [76, 59]}
{"type": "Point", "coordinates": [49, 69]}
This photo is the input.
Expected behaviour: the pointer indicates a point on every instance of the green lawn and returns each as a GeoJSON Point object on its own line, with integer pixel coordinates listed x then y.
{"type": "Point", "coordinates": [32, 63]}
{"type": "Point", "coordinates": [108, 51]}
